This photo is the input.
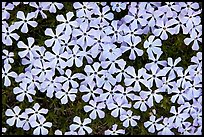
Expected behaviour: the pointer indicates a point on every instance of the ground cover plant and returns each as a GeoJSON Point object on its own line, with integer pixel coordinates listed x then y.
{"type": "Point", "coordinates": [107, 68]}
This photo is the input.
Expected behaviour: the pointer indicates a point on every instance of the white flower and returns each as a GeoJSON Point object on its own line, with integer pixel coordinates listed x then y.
{"type": "Point", "coordinates": [52, 6]}
{"type": "Point", "coordinates": [81, 125]}
{"type": "Point", "coordinates": [23, 91]}
{"type": "Point", "coordinates": [6, 74]}
{"type": "Point", "coordinates": [114, 131]}
{"type": "Point", "coordinates": [66, 93]}
{"type": "Point", "coordinates": [15, 114]}
{"type": "Point", "coordinates": [8, 58]}
{"type": "Point", "coordinates": [128, 118]}
{"type": "Point", "coordinates": [40, 126]}
{"type": "Point", "coordinates": [25, 21]}
{"type": "Point", "coordinates": [36, 113]}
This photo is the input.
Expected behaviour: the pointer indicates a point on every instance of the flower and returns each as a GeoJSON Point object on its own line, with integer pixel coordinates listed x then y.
{"type": "Point", "coordinates": [69, 79]}
{"type": "Point", "coordinates": [84, 34]}
{"type": "Point", "coordinates": [52, 6]}
{"type": "Point", "coordinates": [40, 126]}
{"type": "Point", "coordinates": [50, 84]}
{"type": "Point", "coordinates": [67, 23]}
{"type": "Point", "coordinates": [114, 131]}
{"type": "Point", "coordinates": [81, 125]}
{"type": "Point", "coordinates": [141, 102]}
{"type": "Point", "coordinates": [153, 45]}
{"type": "Point", "coordinates": [106, 81]}
{"type": "Point", "coordinates": [91, 91]}
{"type": "Point", "coordinates": [58, 132]}
{"type": "Point", "coordinates": [155, 61]}
{"type": "Point", "coordinates": [118, 108]}
{"type": "Point", "coordinates": [178, 116]}
{"type": "Point", "coordinates": [25, 123]}
{"type": "Point", "coordinates": [28, 48]}
{"type": "Point", "coordinates": [194, 37]}
{"type": "Point", "coordinates": [124, 94]}
{"type": "Point", "coordinates": [129, 118]}
{"type": "Point", "coordinates": [39, 9]}
{"type": "Point", "coordinates": [95, 109]}
{"type": "Point", "coordinates": [134, 78]}
{"type": "Point", "coordinates": [54, 42]}
{"type": "Point", "coordinates": [118, 6]}
{"type": "Point", "coordinates": [152, 95]}
{"type": "Point", "coordinates": [180, 96]}
{"type": "Point", "coordinates": [6, 74]}
{"type": "Point", "coordinates": [5, 7]}
{"type": "Point", "coordinates": [36, 113]}
{"type": "Point", "coordinates": [166, 127]}
{"type": "Point", "coordinates": [153, 124]}
{"type": "Point", "coordinates": [74, 56]}
{"type": "Point", "coordinates": [8, 57]}
{"type": "Point", "coordinates": [165, 27]}
{"type": "Point", "coordinates": [7, 34]}
{"type": "Point", "coordinates": [66, 93]}
{"type": "Point", "coordinates": [25, 21]}
{"type": "Point", "coordinates": [132, 47]}
{"type": "Point", "coordinates": [104, 15]}
{"type": "Point", "coordinates": [24, 90]}
{"type": "Point", "coordinates": [135, 17]}
{"type": "Point", "coordinates": [15, 114]}
{"type": "Point", "coordinates": [115, 31]}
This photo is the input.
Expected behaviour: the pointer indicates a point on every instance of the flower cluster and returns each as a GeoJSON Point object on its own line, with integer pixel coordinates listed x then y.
{"type": "Point", "coordinates": [91, 39]}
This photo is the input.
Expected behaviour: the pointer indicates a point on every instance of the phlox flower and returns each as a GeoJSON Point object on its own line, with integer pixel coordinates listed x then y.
{"type": "Point", "coordinates": [15, 116]}
{"type": "Point", "coordinates": [178, 116]}
{"type": "Point", "coordinates": [164, 27]}
{"type": "Point", "coordinates": [8, 34]}
{"type": "Point", "coordinates": [25, 21]}
{"type": "Point", "coordinates": [110, 51]}
{"type": "Point", "coordinates": [81, 125]}
{"type": "Point", "coordinates": [25, 123]}
{"type": "Point", "coordinates": [106, 81]}
{"type": "Point", "coordinates": [115, 31]}
{"type": "Point", "coordinates": [183, 77]}
{"type": "Point", "coordinates": [104, 15]}
{"type": "Point", "coordinates": [188, 6]}
{"type": "Point", "coordinates": [154, 77]}
{"type": "Point", "coordinates": [132, 43]}
{"type": "Point", "coordinates": [66, 94]}
{"type": "Point", "coordinates": [180, 96]}
{"type": "Point", "coordinates": [152, 95]}
{"type": "Point", "coordinates": [118, 6]}
{"type": "Point", "coordinates": [91, 90]}
{"type": "Point", "coordinates": [68, 79]}
{"type": "Point", "coordinates": [197, 59]}
{"type": "Point", "coordinates": [40, 7]}
{"type": "Point", "coordinates": [195, 37]}
{"type": "Point", "coordinates": [84, 34]}
{"type": "Point", "coordinates": [171, 67]}
{"type": "Point", "coordinates": [166, 127]}
{"type": "Point", "coordinates": [129, 119]}
{"type": "Point", "coordinates": [24, 90]}
{"type": "Point", "coordinates": [7, 57]}
{"type": "Point", "coordinates": [135, 79]}
{"type": "Point", "coordinates": [155, 61]}
{"type": "Point", "coordinates": [6, 74]}
{"type": "Point", "coordinates": [153, 45]}
{"type": "Point", "coordinates": [54, 42]}
{"type": "Point", "coordinates": [141, 102]}
{"type": "Point", "coordinates": [5, 7]}
{"type": "Point", "coordinates": [114, 131]}
{"type": "Point", "coordinates": [171, 9]}
{"type": "Point", "coordinates": [95, 108]}
{"type": "Point", "coordinates": [35, 113]}
{"type": "Point", "coordinates": [28, 49]}
{"type": "Point", "coordinates": [124, 93]}
{"type": "Point", "coordinates": [40, 127]}
{"type": "Point", "coordinates": [153, 124]}
{"type": "Point", "coordinates": [50, 85]}
{"type": "Point", "coordinates": [168, 84]}
{"type": "Point", "coordinates": [121, 73]}
{"type": "Point", "coordinates": [52, 6]}
{"type": "Point", "coordinates": [67, 23]}
{"type": "Point", "coordinates": [118, 106]}
{"type": "Point", "coordinates": [194, 89]}
{"type": "Point", "coordinates": [74, 57]}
